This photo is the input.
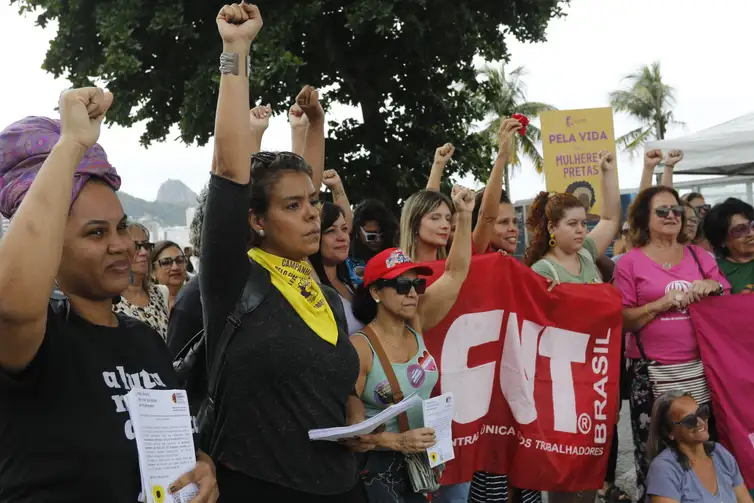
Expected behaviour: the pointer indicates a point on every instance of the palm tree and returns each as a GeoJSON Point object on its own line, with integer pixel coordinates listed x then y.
{"type": "Point", "coordinates": [648, 100]}
{"type": "Point", "coordinates": [505, 95]}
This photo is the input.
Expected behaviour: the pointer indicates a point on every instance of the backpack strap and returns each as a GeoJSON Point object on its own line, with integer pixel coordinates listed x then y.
{"type": "Point", "coordinates": [257, 285]}
{"type": "Point", "coordinates": [387, 367]}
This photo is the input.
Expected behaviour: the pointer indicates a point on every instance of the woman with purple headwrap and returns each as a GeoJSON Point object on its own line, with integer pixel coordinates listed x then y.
{"type": "Point", "coordinates": [66, 360]}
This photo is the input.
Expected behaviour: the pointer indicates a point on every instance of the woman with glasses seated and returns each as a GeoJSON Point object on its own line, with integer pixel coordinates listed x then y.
{"type": "Point", "coordinates": [686, 466]}
{"type": "Point", "coordinates": [143, 299]}
{"type": "Point", "coordinates": [398, 307]}
{"type": "Point", "coordinates": [658, 279]}
{"type": "Point", "coordinates": [169, 268]}
{"type": "Point", "coordinates": [729, 226]}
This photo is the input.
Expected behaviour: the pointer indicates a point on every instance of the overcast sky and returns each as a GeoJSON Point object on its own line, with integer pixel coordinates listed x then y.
{"type": "Point", "coordinates": [702, 47]}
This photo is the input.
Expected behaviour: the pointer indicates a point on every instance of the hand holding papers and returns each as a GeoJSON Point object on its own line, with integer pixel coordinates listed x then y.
{"type": "Point", "coordinates": [368, 426]}
{"type": "Point", "coordinates": [165, 442]}
{"type": "Point", "coordinates": [438, 415]}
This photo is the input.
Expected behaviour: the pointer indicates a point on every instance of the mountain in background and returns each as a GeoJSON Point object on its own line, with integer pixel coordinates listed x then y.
{"type": "Point", "coordinates": [176, 192]}
{"type": "Point", "coordinates": [173, 198]}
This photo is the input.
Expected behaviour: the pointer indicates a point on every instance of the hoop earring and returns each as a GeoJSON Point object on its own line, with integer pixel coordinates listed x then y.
{"type": "Point", "coordinates": [552, 242]}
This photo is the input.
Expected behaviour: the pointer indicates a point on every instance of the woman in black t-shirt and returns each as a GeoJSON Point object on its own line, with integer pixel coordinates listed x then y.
{"type": "Point", "coordinates": [290, 367]}
{"type": "Point", "coordinates": [67, 362]}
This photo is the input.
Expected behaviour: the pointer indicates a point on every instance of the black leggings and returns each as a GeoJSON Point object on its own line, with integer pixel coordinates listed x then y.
{"type": "Point", "coordinates": [237, 487]}
{"type": "Point", "coordinates": [612, 461]}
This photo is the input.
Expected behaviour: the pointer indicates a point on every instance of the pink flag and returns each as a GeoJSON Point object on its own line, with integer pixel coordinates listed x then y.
{"type": "Point", "coordinates": [725, 331]}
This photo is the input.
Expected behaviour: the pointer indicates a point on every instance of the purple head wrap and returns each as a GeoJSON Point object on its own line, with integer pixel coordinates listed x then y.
{"type": "Point", "coordinates": [24, 146]}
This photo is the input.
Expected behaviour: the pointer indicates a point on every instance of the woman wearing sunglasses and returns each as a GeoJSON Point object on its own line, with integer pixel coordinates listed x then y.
{"type": "Point", "coordinates": [143, 299]}
{"type": "Point", "coordinates": [169, 268]}
{"type": "Point", "coordinates": [658, 279]}
{"type": "Point", "coordinates": [686, 466]}
{"type": "Point", "coordinates": [389, 303]}
{"type": "Point", "coordinates": [730, 230]}
{"type": "Point", "coordinates": [700, 208]}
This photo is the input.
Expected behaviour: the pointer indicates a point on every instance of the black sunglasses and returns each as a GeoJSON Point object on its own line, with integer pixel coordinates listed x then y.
{"type": "Point", "coordinates": [143, 245]}
{"type": "Point", "coordinates": [403, 285]}
{"type": "Point", "coordinates": [664, 211]}
{"type": "Point", "coordinates": [702, 210]}
{"type": "Point", "coordinates": [169, 261]}
{"type": "Point", "coordinates": [691, 421]}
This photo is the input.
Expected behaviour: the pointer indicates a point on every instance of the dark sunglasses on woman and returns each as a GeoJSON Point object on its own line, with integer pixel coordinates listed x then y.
{"type": "Point", "coordinates": [691, 421]}
{"type": "Point", "coordinates": [702, 210]}
{"type": "Point", "coordinates": [143, 245]}
{"type": "Point", "coordinates": [403, 285]}
{"type": "Point", "coordinates": [741, 230]}
{"type": "Point", "coordinates": [664, 211]}
{"type": "Point", "coordinates": [169, 261]}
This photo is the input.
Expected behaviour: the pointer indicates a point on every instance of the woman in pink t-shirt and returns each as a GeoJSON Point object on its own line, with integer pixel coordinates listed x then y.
{"type": "Point", "coordinates": [658, 279]}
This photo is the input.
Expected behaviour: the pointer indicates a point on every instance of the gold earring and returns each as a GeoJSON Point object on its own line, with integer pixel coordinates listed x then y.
{"type": "Point", "coordinates": [552, 240]}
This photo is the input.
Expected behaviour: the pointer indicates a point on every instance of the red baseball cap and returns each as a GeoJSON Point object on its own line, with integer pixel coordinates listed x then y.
{"type": "Point", "coordinates": [391, 263]}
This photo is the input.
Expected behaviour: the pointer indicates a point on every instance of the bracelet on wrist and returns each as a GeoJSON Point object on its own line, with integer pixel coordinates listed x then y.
{"type": "Point", "coordinates": [230, 64]}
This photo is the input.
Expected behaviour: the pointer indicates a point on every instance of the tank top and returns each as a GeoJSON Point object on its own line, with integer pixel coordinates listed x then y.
{"type": "Point", "coordinates": [417, 376]}
{"type": "Point", "coordinates": [354, 325]}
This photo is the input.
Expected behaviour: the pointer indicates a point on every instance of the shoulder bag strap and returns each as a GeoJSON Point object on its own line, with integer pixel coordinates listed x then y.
{"type": "Point", "coordinates": [696, 259]}
{"type": "Point", "coordinates": [387, 367]}
{"type": "Point", "coordinates": [254, 292]}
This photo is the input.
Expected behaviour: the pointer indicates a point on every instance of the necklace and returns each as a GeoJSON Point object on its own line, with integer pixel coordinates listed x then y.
{"type": "Point", "coordinates": [667, 265]}
{"type": "Point", "coordinates": [384, 339]}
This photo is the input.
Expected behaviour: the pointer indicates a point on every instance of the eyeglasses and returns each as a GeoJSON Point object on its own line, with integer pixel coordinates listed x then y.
{"type": "Point", "coordinates": [404, 285]}
{"type": "Point", "coordinates": [691, 421]}
{"type": "Point", "coordinates": [371, 237]}
{"type": "Point", "coordinates": [741, 230]}
{"type": "Point", "coordinates": [167, 262]}
{"type": "Point", "coordinates": [664, 211]}
{"type": "Point", "coordinates": [143, 245]}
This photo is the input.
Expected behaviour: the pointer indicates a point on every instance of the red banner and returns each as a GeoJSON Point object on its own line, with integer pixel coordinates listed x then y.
{"type": "Point", "coordinates": [728, 353]}
{"type": "Point", "coordinates": [534, 376]}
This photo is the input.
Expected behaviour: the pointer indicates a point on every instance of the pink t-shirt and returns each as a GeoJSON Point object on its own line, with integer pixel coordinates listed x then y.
{"type": "Point", "coordinates": [669, 338]}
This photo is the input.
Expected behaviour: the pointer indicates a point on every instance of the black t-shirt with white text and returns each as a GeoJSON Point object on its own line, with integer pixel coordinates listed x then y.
{"type": "Point", "coordinates": [65, 432]}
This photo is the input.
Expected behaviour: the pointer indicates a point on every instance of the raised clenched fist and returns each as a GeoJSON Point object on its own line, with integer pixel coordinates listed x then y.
{"type": "Point", "coordinates": [607, 161]}
{"type": "Point", "coordinates": [308, 101]}
{"type": "Point", "coordinates": [260, 117]}
{"type": "Point", "coordinates": [463, 198]}
{"type": "Point", "coordinates": [652, 158]}
{"type": "Point", "coordinates": [674, 157]}
{"type": "Point", "coordinates": [239, 25]}
{"type": "Point", "coordinates": [81, 114]}
{"type": "Point", "coordinates": [331, 179]}
{"type": "Point", "coordinates": [297, 117]}
{"type": "Point", "coordinates": [444, 154]}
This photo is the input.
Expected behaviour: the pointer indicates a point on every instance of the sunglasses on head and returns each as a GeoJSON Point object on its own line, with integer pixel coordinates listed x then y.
{"type": "Point", "coordinates": [371, 237]}
{"type": "Point", "coordinates": [741, 230]}
{"type": "Point", "coordinates": [691, 421]}
{"type": "Point", "coordinates": [143, 245]}
{"type": "Point", "coordinates": [404, 285]}
{"type": "Point", "coordinates": [664, 211]}
{"type": "Point", "coordinates": [169, 261]}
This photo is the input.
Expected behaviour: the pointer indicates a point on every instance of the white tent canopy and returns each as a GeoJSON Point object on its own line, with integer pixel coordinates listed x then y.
{"type": "Point", "coordinates": [725, 149]}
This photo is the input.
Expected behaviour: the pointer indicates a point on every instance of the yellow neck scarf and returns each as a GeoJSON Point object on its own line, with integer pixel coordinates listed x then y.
{"type": "Point", "coordinates": [294, 280]}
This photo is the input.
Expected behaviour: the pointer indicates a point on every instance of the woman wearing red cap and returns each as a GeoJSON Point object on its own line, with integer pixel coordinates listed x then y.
{"type": "Point", "coordinates": [389, 304]}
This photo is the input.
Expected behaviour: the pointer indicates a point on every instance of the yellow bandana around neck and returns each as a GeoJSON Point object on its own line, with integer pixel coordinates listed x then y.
{"type": "Point", "coordinates": [294, 280]}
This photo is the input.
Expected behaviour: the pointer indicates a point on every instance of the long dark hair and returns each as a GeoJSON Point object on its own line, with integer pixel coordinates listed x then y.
{"type": "Point", "coordinates": [660, 428]}
{"type": "Point", "coordinates": [327, 216]}
{"type": "Point", "coordinates": [372, 210]}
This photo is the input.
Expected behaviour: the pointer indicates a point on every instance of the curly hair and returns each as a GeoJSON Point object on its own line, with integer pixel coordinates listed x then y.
{"type": "Point", "coordinates": [546, 208]}
{"type": "Point", "coordinates": [640, 212]}
{"type": "Point", "coordinates": [717, 221]}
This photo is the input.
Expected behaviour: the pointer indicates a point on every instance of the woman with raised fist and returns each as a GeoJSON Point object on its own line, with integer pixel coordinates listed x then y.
{"type": "Point", "coordinates": [289, 366]}
{"type": "Point", "coordinates": [67, 360]}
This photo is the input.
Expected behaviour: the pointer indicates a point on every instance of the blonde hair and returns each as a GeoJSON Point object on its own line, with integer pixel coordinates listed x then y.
{"type": "Point", "coordinates": [414, 209]}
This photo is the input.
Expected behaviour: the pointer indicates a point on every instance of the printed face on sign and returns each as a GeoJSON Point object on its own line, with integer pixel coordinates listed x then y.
{"type": "Point", "coordinates": [383, 393]}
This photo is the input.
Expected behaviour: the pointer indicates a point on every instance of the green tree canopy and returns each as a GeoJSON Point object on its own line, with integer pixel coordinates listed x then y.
{"type": "Point", "coordinates": [505, 95]}
{"type": "Point", "coordinates": [650, 101]}
{"type": "Point", "coordinates": [406, 63]}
